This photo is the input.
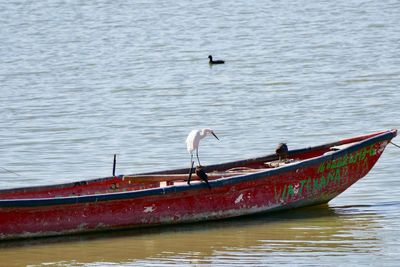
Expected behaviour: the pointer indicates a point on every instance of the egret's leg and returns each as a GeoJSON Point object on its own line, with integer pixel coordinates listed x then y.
{"type": "Point", "coordinates": [191, 168]}
{"type": "Point", "coordinates": [197, 154]}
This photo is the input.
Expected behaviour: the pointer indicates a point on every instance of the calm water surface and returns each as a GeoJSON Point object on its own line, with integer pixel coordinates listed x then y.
{"type": "Point", "coordinates": [80, 81]}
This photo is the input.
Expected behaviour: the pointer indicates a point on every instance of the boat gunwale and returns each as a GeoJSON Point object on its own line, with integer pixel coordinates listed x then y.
{"type": "Point", "coordinates": [245, 177]}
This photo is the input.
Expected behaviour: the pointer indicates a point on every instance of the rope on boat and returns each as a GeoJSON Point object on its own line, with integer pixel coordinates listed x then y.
{"type": "Point", "coordinates": [10, 171]}
{"type": "Point", "coordinates": [394, 144]}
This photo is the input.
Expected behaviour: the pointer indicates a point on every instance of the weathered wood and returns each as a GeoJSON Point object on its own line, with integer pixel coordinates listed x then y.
{"type": "Point", "coordinates": [150, 199]}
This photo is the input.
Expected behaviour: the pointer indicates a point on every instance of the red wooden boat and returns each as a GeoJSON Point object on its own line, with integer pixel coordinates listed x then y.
{"type": "Point", "coordinates": [308, 176]}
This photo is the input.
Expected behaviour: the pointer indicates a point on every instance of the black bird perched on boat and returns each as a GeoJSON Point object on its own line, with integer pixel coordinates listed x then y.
{"type": "Point", "coordinates": [282, 151]}
{"type": "Point", "coordinates": [215, 61]}
{"type": "Point", "coordinates": [202, 175]}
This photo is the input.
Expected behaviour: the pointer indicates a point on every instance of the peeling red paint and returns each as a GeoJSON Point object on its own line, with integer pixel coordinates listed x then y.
{"type": "Point", "coordinates": [298, 184]}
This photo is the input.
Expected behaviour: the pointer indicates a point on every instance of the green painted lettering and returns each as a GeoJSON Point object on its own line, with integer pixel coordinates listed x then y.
{"type": "Point", "coordinates": [372, 150]}
{"type": "Point", "coordinates": [321, 167]}
{"type": "Point", "coordinates": [290, 191]}
{"type": "Point", "coordinates": [340, 162]}
{"type": "Point", "coordinates": [352, 159]}
{"type": "Point", "coordinates": [316, 185]}
{"type": "Point", "coordinates": [334, 164]}
{"type": "Point", "coordinates": [302, 182]}
{"type": "Point", "coordinates": [280, 194]}
{"type": "Point", "coordinates": [323, 182]}
{"type": "Point", "coordinates": [331, 177]}
{"type": "Point", "coordinates": [284, 195]}
{"type": "Point", "coordinates": [337, 177]}
{"type": "Point", "coordinates": [345, 160]}
{"type": "Point", "coordinates": [308, 185]}
{"type": "Point", "coordinates": [328, 164]}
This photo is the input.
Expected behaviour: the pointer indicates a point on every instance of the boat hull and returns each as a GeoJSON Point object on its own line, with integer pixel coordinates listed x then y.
{"type": "Point", "coordinates": [304, 183]}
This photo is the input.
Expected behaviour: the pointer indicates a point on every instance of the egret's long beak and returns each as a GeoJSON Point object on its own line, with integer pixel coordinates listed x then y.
{"type": "Point", "coordinates": [215, 135]}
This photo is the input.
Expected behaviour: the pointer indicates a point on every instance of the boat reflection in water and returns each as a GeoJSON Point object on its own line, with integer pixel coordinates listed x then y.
{"type": "Point", "coordinates": [310, 232]}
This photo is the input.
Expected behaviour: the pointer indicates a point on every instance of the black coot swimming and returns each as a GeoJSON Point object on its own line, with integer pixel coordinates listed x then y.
{"type": "Point", "coordinates": [215, 61]}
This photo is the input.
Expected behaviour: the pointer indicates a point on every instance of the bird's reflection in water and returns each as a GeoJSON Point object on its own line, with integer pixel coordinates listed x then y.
{"type": "Point", "coordinates": [313, 230]}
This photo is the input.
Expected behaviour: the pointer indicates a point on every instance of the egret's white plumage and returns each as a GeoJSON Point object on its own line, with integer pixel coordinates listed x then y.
{"type": "Point", "coordinates": [193, 140]}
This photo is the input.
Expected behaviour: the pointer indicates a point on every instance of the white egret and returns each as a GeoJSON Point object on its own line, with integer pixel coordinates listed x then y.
{"type": "Point", "coordinates": [193, 140]}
